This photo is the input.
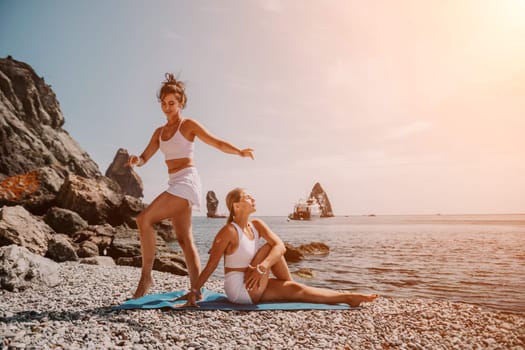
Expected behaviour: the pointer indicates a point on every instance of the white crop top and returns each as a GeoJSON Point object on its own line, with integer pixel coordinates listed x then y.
{"type": "Point", "coordinates": [246, 250]}
{"type": "Point", "coordinates": [177, 146]}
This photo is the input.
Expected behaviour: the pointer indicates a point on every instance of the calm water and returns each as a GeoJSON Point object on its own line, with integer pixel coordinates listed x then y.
{"type": "Point", "coordinates": [477, 259]}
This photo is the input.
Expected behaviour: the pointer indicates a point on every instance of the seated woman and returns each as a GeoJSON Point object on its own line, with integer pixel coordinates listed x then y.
{"type": "Point", "coordinates": [247, 268]}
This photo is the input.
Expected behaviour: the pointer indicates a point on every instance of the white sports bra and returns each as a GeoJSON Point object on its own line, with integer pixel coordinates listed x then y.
{"type": "Point", "coordinates": [246, 250]}
{"type": "Point", "coordinates": [177, 146]}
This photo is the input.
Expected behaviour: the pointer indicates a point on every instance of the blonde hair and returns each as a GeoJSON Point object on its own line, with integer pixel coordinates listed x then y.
{"type": "Point", "coordinates": [173, 86]}
{"type": "Point", "coordinates": [233, 197]}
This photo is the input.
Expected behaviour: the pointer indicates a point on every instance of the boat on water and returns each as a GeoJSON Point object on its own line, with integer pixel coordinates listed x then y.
{"type": "Point", "coordinates": [306, 210]}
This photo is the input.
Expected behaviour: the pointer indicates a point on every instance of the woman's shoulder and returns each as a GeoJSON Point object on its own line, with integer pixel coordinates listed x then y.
{"type": "Point", "coordinates": [259, 224]}
{"type": "Point", "coordinates": [227, 231]}
{"type": "Point", "coordinates": [188, 121]}
{"type": "Point", "coordinates": [158, 130]}
{"type": "Point", "coordinates": [189, 125]}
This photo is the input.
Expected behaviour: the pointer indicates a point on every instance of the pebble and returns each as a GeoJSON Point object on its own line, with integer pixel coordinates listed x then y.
{"type": "Point", "coordinates": [78, 315]}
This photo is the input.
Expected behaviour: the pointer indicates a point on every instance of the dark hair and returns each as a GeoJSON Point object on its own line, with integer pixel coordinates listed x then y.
{"type": "Point", "coordinates": [233, 197]}
{"type": "Point", "coordinates": [172, 86]}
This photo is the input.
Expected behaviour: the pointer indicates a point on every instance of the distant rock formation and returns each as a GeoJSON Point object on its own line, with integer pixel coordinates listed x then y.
{"type": "Point", "coordinates": [128, 180]}
{"type": "Point", "coordinates": [54, 201]}
{"type": "Point", "coordinates": [322, 198]}
{"type": "Point", "coordinates": [212, 203]}
{"type": "Point", "coordinates": [31, 134]}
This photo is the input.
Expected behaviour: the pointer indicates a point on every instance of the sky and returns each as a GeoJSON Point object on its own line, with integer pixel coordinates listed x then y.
{"type": "Point", "coordinates": [394, 107]}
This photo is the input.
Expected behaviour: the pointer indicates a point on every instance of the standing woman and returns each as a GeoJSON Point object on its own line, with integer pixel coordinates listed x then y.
{"type": "Point", "coordinates": [175, 140]}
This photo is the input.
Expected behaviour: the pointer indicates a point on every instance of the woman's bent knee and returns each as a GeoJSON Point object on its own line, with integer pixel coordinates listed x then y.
{"type": "Point", "coordinates": [140, 220]}
{"type": "Point", "coordinates": [143, 220]}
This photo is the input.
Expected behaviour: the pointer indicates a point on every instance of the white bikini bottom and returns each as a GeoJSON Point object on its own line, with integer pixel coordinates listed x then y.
{"type": "Point", "coordinates": [186, 184]}
{"type": "Point", "coordinates": [234, 287]}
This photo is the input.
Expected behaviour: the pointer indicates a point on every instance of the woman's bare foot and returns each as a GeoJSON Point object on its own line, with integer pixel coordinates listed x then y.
{"type": "Point", "coordinates": [355, 300]}
{"type": "Point", "coordinates": [144, 285]}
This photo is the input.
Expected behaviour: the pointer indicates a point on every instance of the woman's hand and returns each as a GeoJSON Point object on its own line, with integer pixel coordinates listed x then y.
{"type": "Point", "coordinates": [253, 276]}
{"type": "Point", "coordinates": [135, 161]}
{"type": "Point", "coordinates": [247, 152]}
{"type": "Point", "coordinates": [191, 299]}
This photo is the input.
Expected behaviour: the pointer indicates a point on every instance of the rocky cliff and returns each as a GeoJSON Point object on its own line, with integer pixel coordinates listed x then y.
{"type": "Point", "coordinates": [53, 199]}
{"type": "Point", "coordinates": [31, 133]}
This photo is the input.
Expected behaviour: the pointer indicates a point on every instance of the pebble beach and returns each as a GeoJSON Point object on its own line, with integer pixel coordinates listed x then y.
{"type": "Point", "coordinates": [77, 314]}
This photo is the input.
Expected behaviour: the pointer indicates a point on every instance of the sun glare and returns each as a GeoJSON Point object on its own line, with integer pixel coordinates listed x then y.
{"type": "Point", "coordinates": [512, 13]}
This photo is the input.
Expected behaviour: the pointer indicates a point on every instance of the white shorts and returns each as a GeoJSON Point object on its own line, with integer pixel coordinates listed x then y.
{"type": "Point", "coordinates": [186, 184]}
{"type": "Point", "coordinates": [235, 289]}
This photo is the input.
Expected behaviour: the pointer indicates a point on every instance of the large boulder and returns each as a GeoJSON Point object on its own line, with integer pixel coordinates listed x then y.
{"type": "Point", "coordinates": [18, 226]}
{"type": "Point", "coordinates": [128, 180]}
{"type": "Point", "coordinates": [96, 200]}
{"type": "Point", "coordinates": [31, 134]}
{"type": "Point", "coordinates": [61, 249]}
{"type": "Point", "coordinates": [35, 190]}
{"type": "Point", "coordinates": [126, 243]}
{"type": "Point", "coordinates": [88, 249]}
{"type": "Point", "coordinates": [129, 209]}
{"type": "Point", "coordinates": [165, 230]}
{"type": "Point", "coordinates": [173, 264]}
{"type": "Point", "coordinates": [64, 220]}
{"type": "Point", "coordinates": [19, 269]}
{"type": "Point", "coordinates": [99, 235]}
{"type": "Point", "coordinates": [125, 250]}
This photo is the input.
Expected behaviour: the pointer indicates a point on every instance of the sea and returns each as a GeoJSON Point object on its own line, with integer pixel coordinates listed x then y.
{"type": "Point", "coordinates": [476, 259]}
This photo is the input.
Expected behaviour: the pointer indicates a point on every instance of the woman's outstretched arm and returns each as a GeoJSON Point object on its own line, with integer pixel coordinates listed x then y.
{"type": "Point", "coordinates": [198, 130]}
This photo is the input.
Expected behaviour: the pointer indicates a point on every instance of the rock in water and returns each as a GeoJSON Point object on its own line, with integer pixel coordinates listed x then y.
{"type": "Point", "coordinates": [295, 254]}
{"type": "Point", "coordinates": [212, 203]}
{"type": "Point", "coordinates": [292, 254]}
{"type": "Point", "coordinates": [31, 134]}
{"type": "Point", "coordinates": [305, 273]}
{"type": "Point", "coordinates": [322, 198]}
{"type": "Point", "coordinates": [314, 248]}
{"type": "Point", "coordinates": [128, 180]}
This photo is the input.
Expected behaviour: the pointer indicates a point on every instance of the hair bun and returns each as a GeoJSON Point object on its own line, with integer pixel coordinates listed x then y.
{"type": "Point", "coordinates": [170, 78]}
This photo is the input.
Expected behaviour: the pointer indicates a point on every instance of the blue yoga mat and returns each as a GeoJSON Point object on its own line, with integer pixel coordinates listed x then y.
{"type": "Point", "coordinates": [216, 301]}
